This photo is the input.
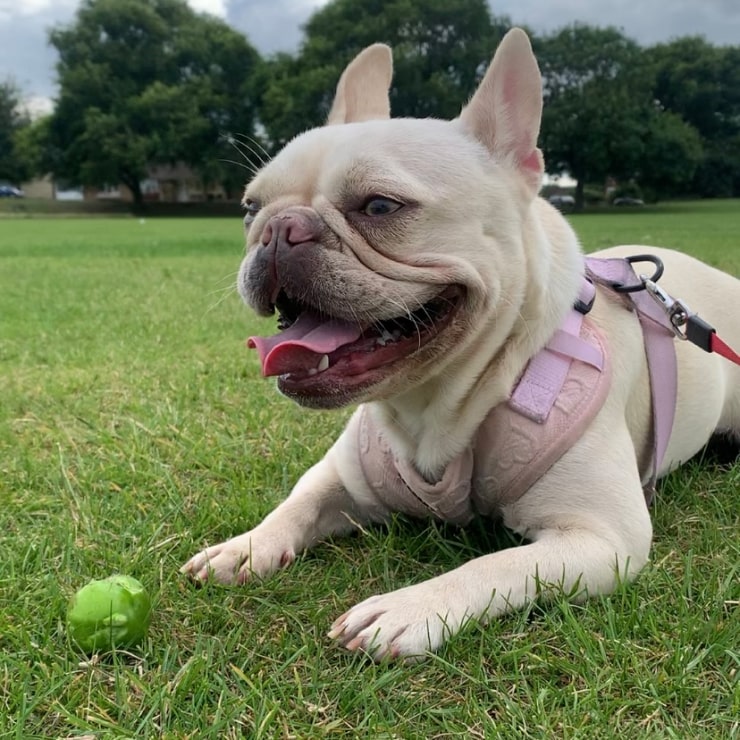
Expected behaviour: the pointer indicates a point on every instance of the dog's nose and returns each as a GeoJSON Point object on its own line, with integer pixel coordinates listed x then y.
{"type": "Point", "coordinates": [287, 248]}
{"type": "Point", "coordinates": [289, 228]}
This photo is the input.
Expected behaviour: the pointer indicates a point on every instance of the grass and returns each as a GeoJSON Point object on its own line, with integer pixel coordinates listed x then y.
{"type": "Point", "coordinates": [134, 428]}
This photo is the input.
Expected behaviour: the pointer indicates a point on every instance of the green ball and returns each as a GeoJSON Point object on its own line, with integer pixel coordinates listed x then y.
{"type": "Point", "coordinates": [110, 613]}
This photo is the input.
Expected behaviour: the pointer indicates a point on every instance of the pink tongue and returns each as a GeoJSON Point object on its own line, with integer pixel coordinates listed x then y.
{"type": "Point", "coordinates": [301, 346]}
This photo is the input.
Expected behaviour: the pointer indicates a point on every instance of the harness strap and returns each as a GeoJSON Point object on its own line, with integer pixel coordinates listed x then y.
{"type": "Point", "coordinates": [545, 374]}
{"type": "Point", "coordinates": [658, 336]}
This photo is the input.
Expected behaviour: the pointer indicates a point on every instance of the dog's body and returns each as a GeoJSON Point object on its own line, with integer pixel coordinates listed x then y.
{"type": "Point", "coordinates": [368, 219]}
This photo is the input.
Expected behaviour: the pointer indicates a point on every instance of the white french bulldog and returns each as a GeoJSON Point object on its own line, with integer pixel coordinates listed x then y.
{"type": "Point", "coordinates": [416, 271]}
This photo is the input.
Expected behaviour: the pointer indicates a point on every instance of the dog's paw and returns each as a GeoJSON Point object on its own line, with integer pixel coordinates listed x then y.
{"type": "Point", "coordinates": [407, 623]}
{"type": "Point", "coordinates": [237, 560]}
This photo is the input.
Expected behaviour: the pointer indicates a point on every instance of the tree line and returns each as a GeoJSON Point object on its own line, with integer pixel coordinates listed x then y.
{"type": "Point", "coordinates": [149, 82]}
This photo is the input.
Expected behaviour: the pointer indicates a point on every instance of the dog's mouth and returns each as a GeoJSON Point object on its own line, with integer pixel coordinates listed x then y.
{"type": "Point", "coordinates": [314, 347]}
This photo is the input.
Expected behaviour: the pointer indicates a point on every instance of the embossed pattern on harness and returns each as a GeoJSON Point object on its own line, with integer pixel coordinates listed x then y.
{"type": "Point", "coordinates": [512, 452]}
{"type": "Point", "coordinates": [401, 488]}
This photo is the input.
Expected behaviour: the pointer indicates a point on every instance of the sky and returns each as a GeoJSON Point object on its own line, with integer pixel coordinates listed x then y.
{"type": "Point", "coordinates": [275, 25]}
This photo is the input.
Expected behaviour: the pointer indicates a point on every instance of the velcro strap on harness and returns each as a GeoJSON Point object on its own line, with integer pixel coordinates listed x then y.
{"type": "Point", "coordinates": [545, 374]}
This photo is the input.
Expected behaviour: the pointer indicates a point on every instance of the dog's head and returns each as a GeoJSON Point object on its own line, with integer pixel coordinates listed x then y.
{"type": "Point", "coordinates": [385, 245]}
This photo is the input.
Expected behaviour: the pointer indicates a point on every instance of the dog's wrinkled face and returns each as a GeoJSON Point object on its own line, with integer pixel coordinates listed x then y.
{"type": "Point", "coordinates": [374, 242]}
{"type": "Point", "coordinates": [360, 260]}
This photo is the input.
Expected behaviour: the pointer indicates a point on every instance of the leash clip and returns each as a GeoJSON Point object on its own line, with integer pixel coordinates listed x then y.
{"type": "Point", "coordinates": [687, 325]}
{"type": "Point", "coordinates": [677, 311]}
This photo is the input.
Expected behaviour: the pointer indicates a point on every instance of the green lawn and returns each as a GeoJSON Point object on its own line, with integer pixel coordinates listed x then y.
{"type": "Point", "coordinates": [134, 428]}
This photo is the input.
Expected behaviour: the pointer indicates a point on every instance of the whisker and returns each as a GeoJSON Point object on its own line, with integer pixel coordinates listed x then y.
{"type": "Point", "coordinates": [230, 276]}
{"type": "Point", "coordinates": [519, 314]}
{"type": "Point", "coordinates": [223, 292]}
{"type": "Point", "coordinates": [241, 146]}
{"type": "Point", "coordinates": [219, 291]}
{"type": "Point", "coordinates": [225, 295]}
{"type": "Point", "coordinates": [246, 139]}
{"type": "Point", "coordinates": [249, 167]}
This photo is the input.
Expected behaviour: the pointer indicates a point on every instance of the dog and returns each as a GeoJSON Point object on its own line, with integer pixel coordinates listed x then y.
{"type": "Point", "coordinates": [417, 273]}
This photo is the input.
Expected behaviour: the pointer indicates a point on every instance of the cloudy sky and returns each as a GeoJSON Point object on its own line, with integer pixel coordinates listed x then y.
{"type": "Point", "coordinates": [274, 25]}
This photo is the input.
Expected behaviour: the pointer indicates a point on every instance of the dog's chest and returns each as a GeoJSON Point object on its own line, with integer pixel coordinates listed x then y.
{"type": "Point", "coordinates": [508, 454]}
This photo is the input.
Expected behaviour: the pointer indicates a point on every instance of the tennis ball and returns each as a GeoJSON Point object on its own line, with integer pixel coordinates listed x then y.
{"type": "Point", "coordinates": [109, 613]}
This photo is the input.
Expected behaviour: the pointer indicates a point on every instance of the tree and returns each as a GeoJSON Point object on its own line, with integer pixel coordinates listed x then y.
{"type": "Point", "coordinates": [147, 82]}
{"type": "Point", "coordinates": [440, 49]}
{"type": "Point", "coordinates": [31, 145]}
{"type": "Point", "coordinates": [597, 104]}
{"type": "Point", "coordinates": [672, 153]}
{"type": "Point", "coordinates": [700, 83]}
{"type": "Point", "coordinates": [13, 167]}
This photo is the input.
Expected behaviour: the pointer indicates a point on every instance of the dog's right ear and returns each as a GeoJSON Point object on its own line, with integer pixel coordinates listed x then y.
{"type": "Point", "coordinates": [362, 92]}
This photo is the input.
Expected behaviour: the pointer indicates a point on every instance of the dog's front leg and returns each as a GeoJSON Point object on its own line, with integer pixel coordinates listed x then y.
{"type": "Point", "coordinates": [317, 507]}
{"type": "Point", "coordinates": [420, 618]}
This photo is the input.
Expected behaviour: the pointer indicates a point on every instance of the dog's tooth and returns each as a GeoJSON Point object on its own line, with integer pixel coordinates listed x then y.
{"type": "Point", "coordinates": [313, 371]}
{"type": "Point", "coordinates": [323, 364]}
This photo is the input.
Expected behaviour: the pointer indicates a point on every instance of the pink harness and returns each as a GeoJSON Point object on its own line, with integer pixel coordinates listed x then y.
{"type": "Point", "coordinates": [560, 392]}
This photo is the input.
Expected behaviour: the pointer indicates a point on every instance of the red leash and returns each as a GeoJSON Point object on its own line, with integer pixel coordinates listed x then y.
{"type": "Point", "coordinates": [688, 325]}
{"type": "Point", "coordinates": [718, 346]}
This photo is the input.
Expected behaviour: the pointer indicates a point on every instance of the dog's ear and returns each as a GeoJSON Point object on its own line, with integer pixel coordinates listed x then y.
{"type": "Point", "coordinates": [506, 109]}
{"type": "Point", "coordinates": [362, 92]}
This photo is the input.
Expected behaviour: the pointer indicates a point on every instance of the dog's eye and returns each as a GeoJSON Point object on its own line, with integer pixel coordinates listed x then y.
{"type": "Point", "coordinates": [252, 208]}
{"type": "Point", "coordinates": [378, 206]}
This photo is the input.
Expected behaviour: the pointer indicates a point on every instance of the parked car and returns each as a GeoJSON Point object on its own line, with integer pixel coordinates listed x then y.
{"type": "Point", "coordinates": [562, 201]}
{"type": "Point", "coordinates": [8, 191]}
{"type": "Point", "coordinates": [628, 202]}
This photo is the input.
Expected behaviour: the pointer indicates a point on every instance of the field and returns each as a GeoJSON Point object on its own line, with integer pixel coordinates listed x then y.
{"type": "Point", "coordinates": [135, 427]}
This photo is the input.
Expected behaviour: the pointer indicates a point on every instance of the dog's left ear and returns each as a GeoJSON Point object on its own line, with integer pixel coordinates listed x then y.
{"type": "Point", "coordinates": [362, 92]}
{"type": "Point", "coordinates": [505, 112]}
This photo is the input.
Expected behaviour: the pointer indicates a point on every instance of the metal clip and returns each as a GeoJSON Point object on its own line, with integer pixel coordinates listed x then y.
{"type": "Point", "coordinates": [678, 312]}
